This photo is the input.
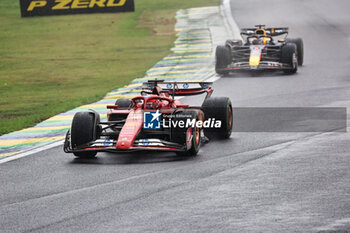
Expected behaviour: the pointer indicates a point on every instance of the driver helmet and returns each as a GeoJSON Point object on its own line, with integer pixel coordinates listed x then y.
{"type": "Point", "coordinates": [153, 104]}
{"type": "Point", "coordinates": [260, 32]}
{"type": "Point", "coordinates": [257, 41]}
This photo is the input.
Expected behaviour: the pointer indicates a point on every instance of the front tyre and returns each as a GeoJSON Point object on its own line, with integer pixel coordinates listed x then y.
{"type": "Point", "coordinates": [223, 59]}
{"type": "Point", "coordinates": [82, 132]}
{"type": "Point", "coordinates": [289, 56]}
{"type": "Point", "coordinates": [191, 137]}
{"type": "Point", "coordinates": [300, 49]}
{"type": "Point", "coordinates": [218, 108]}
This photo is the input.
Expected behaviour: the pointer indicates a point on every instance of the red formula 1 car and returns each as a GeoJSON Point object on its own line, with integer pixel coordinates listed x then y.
{"type": "Point", "coordinates": [155, 120]}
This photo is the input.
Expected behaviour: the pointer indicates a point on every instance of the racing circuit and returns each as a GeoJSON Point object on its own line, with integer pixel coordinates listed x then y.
{"type": "Point", "coordinates": [252, 182]}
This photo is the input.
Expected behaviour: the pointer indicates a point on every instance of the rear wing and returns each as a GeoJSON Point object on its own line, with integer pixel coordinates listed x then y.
{"type": "Point", "coordinates": [177, 88]}
{"type": "Point", "coordinates": [269, 31]}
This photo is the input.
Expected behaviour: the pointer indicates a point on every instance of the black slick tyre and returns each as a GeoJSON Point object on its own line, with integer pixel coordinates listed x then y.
{"type": "Point", "coordinates": [189, 136]}
{"type": "Point", "coordinates": [289, 56]}
{"type": "Point", "coordinates": [218, 108]}
{"type": "Point", "coordinates": [300, 49]}
{"type": "Point", "coordinates": [82, 132]}
{"type": "Point", "coordinates": [223, 59]}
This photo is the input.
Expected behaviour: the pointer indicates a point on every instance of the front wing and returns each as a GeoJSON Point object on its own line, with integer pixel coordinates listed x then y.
{"type": "Point", "coordinates": [109, 145]}
{"type": "Point", "coordinates": [244, 66]}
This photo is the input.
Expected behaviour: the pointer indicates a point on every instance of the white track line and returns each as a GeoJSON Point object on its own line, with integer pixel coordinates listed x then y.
{"type": "Point", "coordinates": [21, 155]}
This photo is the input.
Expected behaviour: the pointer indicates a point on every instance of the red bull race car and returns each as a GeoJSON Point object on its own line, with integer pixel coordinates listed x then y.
{"type": "Point", "coordinates": [156, 120]}
{"type": "Point", "coordinates": [260, 51]}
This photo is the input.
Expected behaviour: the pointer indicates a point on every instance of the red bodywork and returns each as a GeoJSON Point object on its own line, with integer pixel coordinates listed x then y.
{"type": "Point", "coordinates": [157, 100]}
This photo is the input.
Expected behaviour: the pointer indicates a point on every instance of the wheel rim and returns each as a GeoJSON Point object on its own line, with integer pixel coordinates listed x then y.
{"type": "Point", "coordinates": [188, 136]}
{"type": "Point", "coordinates": [295, 61]}
{"type": "Point", "coordinates": [229, 118]}
{"type": "Point", "coordinates": [197, 135]}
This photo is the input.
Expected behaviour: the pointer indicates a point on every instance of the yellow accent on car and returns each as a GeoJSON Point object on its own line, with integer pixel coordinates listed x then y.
{"type": "Point", "coordinates": [254, 60]}
{"type": "Point", "coordinates": [266, 39]}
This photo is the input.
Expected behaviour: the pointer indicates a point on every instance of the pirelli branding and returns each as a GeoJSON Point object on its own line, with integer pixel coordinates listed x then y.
{"type": "Point", "coordinates": [63, 7]}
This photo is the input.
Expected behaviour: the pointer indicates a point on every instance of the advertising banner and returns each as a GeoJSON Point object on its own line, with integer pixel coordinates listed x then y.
{"type": "Point", "coordinates": [63, 7]}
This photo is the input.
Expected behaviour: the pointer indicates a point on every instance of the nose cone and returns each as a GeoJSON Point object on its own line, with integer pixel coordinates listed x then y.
{"type": "Point", "coordinates": [255, 56]}
{"type": "Point", "coordinates": [130, 130]}
{"type": "Point", "coordinates": [254, 60]}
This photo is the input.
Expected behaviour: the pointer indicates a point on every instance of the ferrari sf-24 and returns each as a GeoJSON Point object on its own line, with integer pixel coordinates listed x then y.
{"type": "Point", "coordinates": [156, 120]}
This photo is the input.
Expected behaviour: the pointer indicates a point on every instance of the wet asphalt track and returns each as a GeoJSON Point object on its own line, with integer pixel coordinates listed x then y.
{"type": "Point", "coordinates": [253, 182]}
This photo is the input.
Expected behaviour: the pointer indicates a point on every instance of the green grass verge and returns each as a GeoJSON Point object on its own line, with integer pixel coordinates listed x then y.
{"type": "Point", "coordinates": [52, 64]}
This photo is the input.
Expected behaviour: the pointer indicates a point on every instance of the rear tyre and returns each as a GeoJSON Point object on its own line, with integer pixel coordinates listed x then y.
{"type": "Point", "coordinates": [223, 59]}
{"type": "Point", "coordinates": [289, 56]}
{"type": "Point", "coordinates": [191, 137]}
{"type": "Point", "coordinates": [218, 108]}
{"type": "Point", "coordinates": [82, 132]}
{"type": "Point", "coordinates": [300, 49]}
{"type": "Point", "coordinates": [123, 103]}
